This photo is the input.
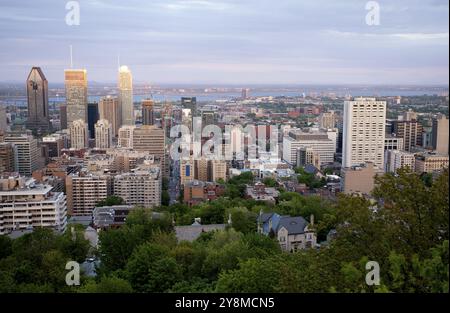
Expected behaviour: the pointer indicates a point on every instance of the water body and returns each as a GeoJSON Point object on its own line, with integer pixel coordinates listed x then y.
{"type": "Point", "coordinates": [213, 97]}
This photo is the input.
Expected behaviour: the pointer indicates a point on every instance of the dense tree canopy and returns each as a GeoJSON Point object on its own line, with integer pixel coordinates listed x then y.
{"type": "Point", "coordinates": [404, 228]}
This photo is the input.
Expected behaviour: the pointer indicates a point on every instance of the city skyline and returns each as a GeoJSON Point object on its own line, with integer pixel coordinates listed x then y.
{"type": "Point", "coordinates": [223, 42]}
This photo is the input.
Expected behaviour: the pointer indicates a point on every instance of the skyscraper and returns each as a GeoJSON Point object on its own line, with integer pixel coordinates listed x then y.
{"type": "Point", "coordinates": [63, 116]}
{"type": "Point", "coordinates": [327, 120]}
{"type": "Point", "coordinates": [3, 119]}
{"type": "Point", "coordinates": [93, 117]}
{"type": "Point", "coordinates": [440, 134]}
{"type": "Point", "coordinates": [27, 152]}
{"type": "Point", "coordinates": [189, 103]}
{"type": "Point", "coordinates": [364, 132]}
{"type": "Point", "coordinates": [126, 95]}
{"type": "Point", "coordinates": [103, 134]}
{"type": "Point", "coordinates": [408, 128]}
{"type": "Point", "coordinates": [79, 134]}
{"type": "Point", "coordinates": [76, 95]}
{"type": "Point", "coordinates": [37, 94]}
{"type": "Point", "coordinates": [109, 109]}
{"type": "Point", "coordinates": [245, 94]}
{"type": "Point", "coordinates": [208, 118]}
{"type": "Point", "coordinates": [8, 156]}
{"type": "Point", "coordinates": [148, 117]}
{"type": "Point", "coordinates": [151, 139]}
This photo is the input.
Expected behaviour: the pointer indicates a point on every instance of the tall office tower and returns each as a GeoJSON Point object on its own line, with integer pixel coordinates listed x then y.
{"type": "Point", "coordinates": [93, 117]}
{"type": "Point", "coordinates": [142, 187]}
{"type": "Point", "coordinates": [8, 156]}
{"type": "Point", "coordinates": [103, 134]}
{"type": "Point", "coordinates": [109, 109]}
{"type": "Point", "coordinates": [76, 95]}
{"type": "Point", "coordinates": [364, 132]}
{"type": "Point", "coordinates": [37, 94]}
{"type": "Point", "coordinates": [23, 202]}
{"type": "Point", "coordinates": [168, 117]}
{"type": "Point", "coordinates": [208, 118]}
{"type": "Point", "coordinates": [148, 117]}
{"type": "Point", "coordinates": [219, 170]}
{"type": "Point", "coordinates": [189, 103]}
{"type": "Point", "coordinates": [202, 169]}
{"type": "Point", "coordinates": [327, 120]}
{"type": "Point", "coordinates": [84, 191]}
{"type": "Point", "coordinates": [126, 95]}
{"type": "Point", "coordinates": [151, 139]}
{"type": "Point", "coordinates": [340, 127]}
{"type": "Point", "coordinates": [54, 143]}
{"type": "Point", "coordinates": [411, 131]}
{"type": "Point", "coordinates": [78, 135]}
{"type": "Point", "coordinates": [245, 93]}
{"type": "Point", "coordinates": [186, 118]}
{"type": "Point", "coordinates": [125, 139]}
{"type": "Point", "coordinates": [3, 119]}
{"type": "Point", "coordinates": [63, 116]}
{"type": "Point", "coordinates": [440, 134]}
{"type": "Point", "coordinates": [27, 152]}
{"type": "Point", "coordinates": [187, 170]}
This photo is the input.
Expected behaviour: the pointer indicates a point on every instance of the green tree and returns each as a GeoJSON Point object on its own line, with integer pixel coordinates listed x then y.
{"type": "Point", "coordinates": [110, 200]}
{"type": "Point", "coordinates": [151, 269]}
{"type": "Point", "coordinates": [107, 284]}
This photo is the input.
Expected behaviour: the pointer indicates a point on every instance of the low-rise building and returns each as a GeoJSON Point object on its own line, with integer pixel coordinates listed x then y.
{"type": "Point", "coordinates": [292, 233]}
{"type": "Point", "coordinates": [115, 216]}
{"type": "Point", "coordinates": [359, 179]}
{"type": "Point", "coordinates": [196, 192]}
{"type": "Point", "coordinates": [430, 162]}
{"type": "Point", "coordinates": [260, 192]}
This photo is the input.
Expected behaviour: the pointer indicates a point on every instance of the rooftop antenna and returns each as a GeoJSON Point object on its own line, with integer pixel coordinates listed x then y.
{"type": "Point", "coordinates": [118, 61]}
{"type": "Point", "coordinates": [71, 57]}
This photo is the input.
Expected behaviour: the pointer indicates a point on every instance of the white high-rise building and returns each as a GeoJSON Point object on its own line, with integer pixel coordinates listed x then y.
{"type": "Point", "coordinates": [27, 152]}
{"type": "Point", "coordinates": [79, 134]}
{"type": "Point", "coordinates": [142, 187]}
{"type": "Point", "coordinates": [103, 134]}
{"type": "Point", "coordinates": [364, 132]}
{"type": "Point", "coordinates": [126, 95]}
{"type": "Point", "coordinates": [25, 204]}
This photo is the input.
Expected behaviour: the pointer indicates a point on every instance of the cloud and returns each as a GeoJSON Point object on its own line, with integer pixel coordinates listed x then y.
{"type": "Point", "coordinates": [406, 36]}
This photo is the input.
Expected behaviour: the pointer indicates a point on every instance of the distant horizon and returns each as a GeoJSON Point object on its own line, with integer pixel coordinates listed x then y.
{"type": "Point", "coordinates": [248, 85]}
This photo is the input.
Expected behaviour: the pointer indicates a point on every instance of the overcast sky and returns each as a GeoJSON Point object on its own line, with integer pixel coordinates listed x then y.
{"type": "Point", "coordinates": [230, 41]}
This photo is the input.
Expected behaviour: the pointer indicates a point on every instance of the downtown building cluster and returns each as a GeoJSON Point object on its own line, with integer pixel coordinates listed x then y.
{"type": "Point", "coordinates": [119, 147]}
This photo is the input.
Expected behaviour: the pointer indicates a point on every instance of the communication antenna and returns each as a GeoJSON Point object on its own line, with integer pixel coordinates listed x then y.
{"type": "Point", "coordinates": [71, 57]}
{"type": "Point", "coordinates": [118, 61]}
